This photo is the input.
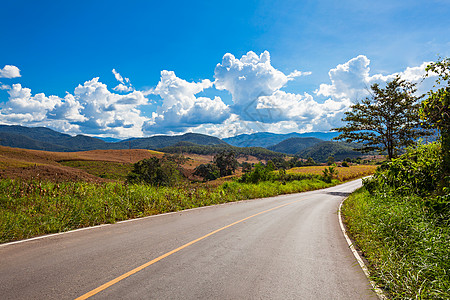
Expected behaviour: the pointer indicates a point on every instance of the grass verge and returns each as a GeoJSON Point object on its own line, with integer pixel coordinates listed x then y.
{"type": "Point", "coordinates": [34, 208]}
{"type": "Point", "coordinates": [408, 248]}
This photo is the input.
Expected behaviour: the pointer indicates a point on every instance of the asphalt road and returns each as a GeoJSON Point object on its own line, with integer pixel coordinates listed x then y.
{"type": "Point", "coordinates": [286, 247]}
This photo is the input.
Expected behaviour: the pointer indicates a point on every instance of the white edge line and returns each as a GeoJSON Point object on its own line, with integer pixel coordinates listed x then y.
{"type": "Point", "coordinates": [53, 234]}
{"type": "Point", "coordinates": [363, 266]}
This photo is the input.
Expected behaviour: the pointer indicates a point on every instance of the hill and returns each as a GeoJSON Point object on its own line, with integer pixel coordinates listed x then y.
{"type": "Point", "coordinates": [161, 141]}
{"type": "Point", "coordinates": [41, 138]}
{"type": "Point", "coordinates": [266, 139]}
{"type": "Point", "coordinates": [321, 151]}
{"type": "Point", "coordinates": [191, 148]}
{"type": "Point", "coordinates": [294, 145]}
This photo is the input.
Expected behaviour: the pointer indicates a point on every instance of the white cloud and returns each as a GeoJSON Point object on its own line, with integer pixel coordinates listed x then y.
{"type": "Point", "coordinates": [248, 78]}
{"type": "Point", "coordinates": [256, 88]}
{"type": "Point", "coordinates": [349, 80]}
{"type": "Point", "coordinates": [124, 85]}
{"type": "Point", "coordinates": [352, 80]}
{"type": "Point", "coordinates": [297, 73]}
{"type": "Point", "coordinates": [181, 108]}
{"type": "Point", "coordinates": [91, 109]}
{"type": "Point", "coordinates": [122, 88]}
{"type": "Point", "coordinates": [9, 72]}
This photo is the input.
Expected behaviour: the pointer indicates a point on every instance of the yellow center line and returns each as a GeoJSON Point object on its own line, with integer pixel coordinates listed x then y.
{"type": "Point", "coordinates": [135, 270]}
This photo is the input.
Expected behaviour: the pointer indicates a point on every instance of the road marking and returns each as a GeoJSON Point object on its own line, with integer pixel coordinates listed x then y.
{"type": "Point", "coordinates": [135, 270]}
{"type": "Point", "coordinates": [363, 266]}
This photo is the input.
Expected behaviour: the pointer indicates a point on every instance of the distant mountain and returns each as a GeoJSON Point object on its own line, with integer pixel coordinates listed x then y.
{"type": "Point", "coordinates": [108, 139]}
{"type": "Point", "coordinates": [294, 145]}
{"type": "Point", "coordinates": [321, 151]}
{"type": "Point", "coordinates": [267, 139]}
{"type": "Point", "coordinates": [41, 138]}
{"type": "Point", "coordinates": [161, 141]}
{"type": "Point", "coordinates": [188, 147]}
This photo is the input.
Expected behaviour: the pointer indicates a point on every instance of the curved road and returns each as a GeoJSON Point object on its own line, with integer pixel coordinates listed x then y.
{"type": "Point", "coordinates": [285, 247]}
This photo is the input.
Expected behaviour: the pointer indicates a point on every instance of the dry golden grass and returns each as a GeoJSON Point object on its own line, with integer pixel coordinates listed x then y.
{"type": "Point", "coordinates": [344, 173]}
{"type": "Point", "coordinates": [27, 164]}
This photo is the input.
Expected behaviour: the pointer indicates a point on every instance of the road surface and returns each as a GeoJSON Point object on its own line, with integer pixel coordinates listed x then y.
{"type": "Point", "coordinates": [285, 247]}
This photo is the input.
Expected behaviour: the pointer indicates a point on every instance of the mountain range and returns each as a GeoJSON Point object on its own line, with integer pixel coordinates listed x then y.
{"type": "Point", "coordinates": [316, 144]}
{"type": "Point", "coordinates": [267, 139]}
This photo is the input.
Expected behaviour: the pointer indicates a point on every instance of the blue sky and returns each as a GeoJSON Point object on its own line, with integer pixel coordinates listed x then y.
{"type": "Point", "coordinates": [220, 68]}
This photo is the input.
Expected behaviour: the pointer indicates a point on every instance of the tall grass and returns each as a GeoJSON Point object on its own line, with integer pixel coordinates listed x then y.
{"type": "Point", "coordinates": [34, 208]}
{"type": "Point", "coordinates": [407, 248]}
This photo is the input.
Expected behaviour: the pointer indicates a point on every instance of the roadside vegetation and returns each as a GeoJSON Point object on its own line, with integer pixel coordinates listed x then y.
{"type": "Point", "coordinates": [152, 186]}
{"type": "Point", "coordinates": [34, 208]}
{"type": "Point", "coordinates": [400, 219]}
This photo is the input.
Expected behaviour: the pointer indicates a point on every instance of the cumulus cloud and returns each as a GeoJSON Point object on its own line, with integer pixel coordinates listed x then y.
{"type": "Point", "coordinates": [259, 102]}
{"type": "Point", "coordinates": [352, 80]}
{"type": "Point", "coordinates": [348, 80]}
{"type": "Point", "coordinates": [9, 71]}
{"type": "Point", "coordinates": [124, 83]}
{"type": "Point", "coordinates": [92, 108]}
{"type": "Point", "coordinates": [181, 108]}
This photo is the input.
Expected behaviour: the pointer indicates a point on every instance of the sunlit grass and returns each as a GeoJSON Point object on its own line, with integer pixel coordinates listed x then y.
{"type": "Point", "coordinates": [344, 173]}
{"type": "Point", "coordinates": [103, 169]}
{"type": "Point", "coordinates": [29, 209]}
{"type": "Point", "coordinates": [407, 248]}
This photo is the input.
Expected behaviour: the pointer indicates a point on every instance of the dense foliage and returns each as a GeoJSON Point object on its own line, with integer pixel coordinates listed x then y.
{"type": "Point", "coordinates": [435, 109]}
{"type": "Point", "coordinates": [386, 121]}
{"type": "Point", "coordinates": [226, 162]}
{"type": "Point", "coordinates": [155, 171]}
{"type": "Point", "coordinates": [320, 152]}
{"type": "Point", "coordinates": [401, 221]}
{"type": "Point", "coordinates": [207, 172]}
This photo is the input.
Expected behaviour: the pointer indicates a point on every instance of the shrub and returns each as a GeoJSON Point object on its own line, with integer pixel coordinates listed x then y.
{"type": "Point", "coordinates": [207, 172]}
{"type": "Point", "coordinates": [155, 171]}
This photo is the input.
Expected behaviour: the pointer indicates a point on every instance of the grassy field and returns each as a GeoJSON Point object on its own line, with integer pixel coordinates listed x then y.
{"type": "Point", "coordinates": [408, 250]}
{"type": "Point", "coordinates": [29, 209]}
{"type": "Point", "coordinates": [103, 169]}
{"type": "Point", "coordinates": [344, 173]}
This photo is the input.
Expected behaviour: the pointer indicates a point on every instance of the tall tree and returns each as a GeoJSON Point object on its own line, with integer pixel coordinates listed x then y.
{"type": "Point", "coordinates": [387, 120]}
{"type": "Point", "coordinates": [226, 162]}
{"type": "Point", "coordinates": [435, 108]}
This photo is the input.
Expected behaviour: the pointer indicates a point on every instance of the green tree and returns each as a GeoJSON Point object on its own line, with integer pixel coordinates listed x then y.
{"type": "Point", "coordinates": [310, 162]}
{"type": "Point", "coordinates": [155, 171]}
{"type": "Point", "coordinates": [226, 162]}
{"type": "Point", "coordinates": [207, 172]}
{"type": "Point", "coordinates": [246, 167]}
{"type": "Point", "coordinates": [388, 120]}
{"type": "Point", "coordinates": [435, 109]}
{"type": "Point", "coordinates": [330, 160]}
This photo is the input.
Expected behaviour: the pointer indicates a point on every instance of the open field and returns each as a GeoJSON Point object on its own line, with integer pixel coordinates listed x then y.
{"type": "Point", "coordinates": [92, 166]}
{"type": "Point", "coordinates": [62, 191]}
{"type": "Point", "coordinates": [344, 173]}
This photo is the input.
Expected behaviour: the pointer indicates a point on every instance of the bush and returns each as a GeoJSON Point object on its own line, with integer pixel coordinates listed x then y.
{"type": "Point", "coordinates": [207, 172]}
{"type": "Point", "coordinates": [155, 171]}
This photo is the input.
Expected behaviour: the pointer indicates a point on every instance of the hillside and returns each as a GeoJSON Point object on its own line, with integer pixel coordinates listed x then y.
{"type": "Point", "coordinates": [294, 145]}
{"type": "Point", "coordinates": [191, 148]}
{"type": "Point", "coordinates": [321, 151]}
{"type": "Point", "coordinates": [266, 139]}
{"type": "Point", "coordinates": [160, 141]}
{"type": "Point", "coordinates": [41, 138]}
